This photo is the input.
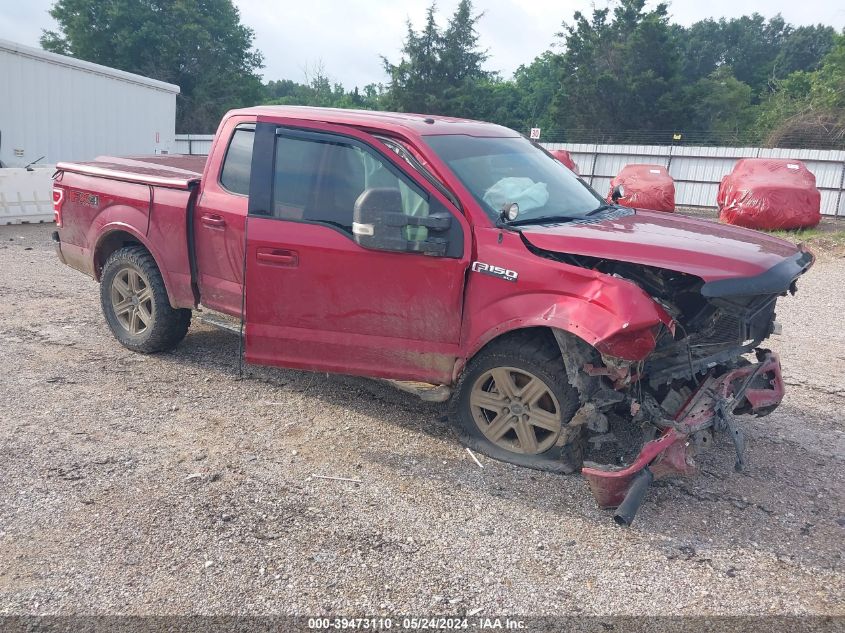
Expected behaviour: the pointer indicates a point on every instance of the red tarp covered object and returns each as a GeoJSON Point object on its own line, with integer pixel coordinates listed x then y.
{"type": "Point", "coordinates": [566, 158]}
{"type": "Point", "coordinates": [646, 187]}
{"type": "Point", "coordinates": [769, 193]}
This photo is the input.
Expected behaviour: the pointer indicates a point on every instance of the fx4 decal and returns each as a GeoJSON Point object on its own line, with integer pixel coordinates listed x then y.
{"type": "Point", "coordinates": [496, 271]}
{"type": "Point", "coordinates": [84, 198]}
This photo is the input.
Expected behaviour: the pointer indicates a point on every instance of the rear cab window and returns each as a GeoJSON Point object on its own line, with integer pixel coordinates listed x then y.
{"type": "Point", "coordinates": [237, 164]}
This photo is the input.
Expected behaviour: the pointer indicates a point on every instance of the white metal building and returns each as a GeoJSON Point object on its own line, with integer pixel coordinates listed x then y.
{"type": "Point", "coordinates": [67, 109]}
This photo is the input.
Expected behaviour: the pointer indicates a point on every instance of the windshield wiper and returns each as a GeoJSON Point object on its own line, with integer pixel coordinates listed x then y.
{"type": "Point", "coordinates": [604, 207]}
{"type": "Point", "coordinates": [558, 218]}
{"type": "Point", "coordinates": [542, 220]}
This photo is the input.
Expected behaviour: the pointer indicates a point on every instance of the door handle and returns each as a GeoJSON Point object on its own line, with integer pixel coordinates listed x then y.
{"type": "Point", "coordinates": [211, 219]}
{"type": "Point", "coordinates": [278, 257]}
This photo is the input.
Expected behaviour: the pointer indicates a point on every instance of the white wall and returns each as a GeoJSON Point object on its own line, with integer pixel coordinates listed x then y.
{"type": "Point", "coordinates": [67, 109]}
{"type": "Point", "coordinates": [699, 170]}
{"type": "Point", "coordinates": [199, 144]}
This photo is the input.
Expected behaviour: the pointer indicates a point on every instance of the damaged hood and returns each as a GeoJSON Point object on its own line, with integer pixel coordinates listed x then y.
{"type": "Point", "coordinates": [703, 248]}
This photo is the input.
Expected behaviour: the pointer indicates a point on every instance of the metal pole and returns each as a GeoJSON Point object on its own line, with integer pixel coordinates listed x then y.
{"type": "Point", "coordinates": [839, 195]}
{"type": "Point", "coordinates": [593, 167]}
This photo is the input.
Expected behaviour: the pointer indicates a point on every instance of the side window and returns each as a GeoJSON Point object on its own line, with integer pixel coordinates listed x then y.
{"type": "Point", "coordinates": [238, 162]}
{"type": "Point", "coordinates": [319, 180]}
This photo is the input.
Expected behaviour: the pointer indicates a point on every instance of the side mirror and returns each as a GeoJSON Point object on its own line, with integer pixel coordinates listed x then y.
{"type": "Point", "coordinates": [617, 193]}
{"type": "Point", "coordinates": [378, 223]}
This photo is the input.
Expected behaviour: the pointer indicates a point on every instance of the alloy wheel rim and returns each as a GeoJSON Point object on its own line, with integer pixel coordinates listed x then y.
{"type": "Point", "coordinates": [516, 410]}
{"type": "Point", "coordinates": [132, 300]}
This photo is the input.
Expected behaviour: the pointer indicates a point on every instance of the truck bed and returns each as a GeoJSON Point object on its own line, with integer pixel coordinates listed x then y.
{"type": "Point", "coordinates": [178, 171]}
{"type": "Point", "coordinates": [113, 201]}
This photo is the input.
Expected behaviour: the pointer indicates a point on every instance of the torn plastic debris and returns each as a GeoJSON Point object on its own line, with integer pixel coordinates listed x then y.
{"type": "Point", "coordinates": [758, 386]}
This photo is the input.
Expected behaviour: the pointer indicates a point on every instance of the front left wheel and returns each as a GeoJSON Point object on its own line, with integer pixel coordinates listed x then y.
{"type": "Point", "coordinates": [513, 403]}
{"type": "Point", "coordinates": [136, 305]}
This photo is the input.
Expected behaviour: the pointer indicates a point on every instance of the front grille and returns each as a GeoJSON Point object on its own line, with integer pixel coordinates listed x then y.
{"type": "Point", "coordinates": [720, 332]}
{"type": "Point", "coordinates": [735, 322]}
{"type": "Point", "coordinates": [726, 329]}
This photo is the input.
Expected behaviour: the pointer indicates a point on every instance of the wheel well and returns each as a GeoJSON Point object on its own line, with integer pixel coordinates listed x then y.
{"type": "Point", "coordinates": [538, 334]}
{"type": "Point", "coordinates": [108, 245]}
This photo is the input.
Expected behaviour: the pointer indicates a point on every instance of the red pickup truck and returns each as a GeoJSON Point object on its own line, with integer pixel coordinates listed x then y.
{"type": "Point", "coordinates": [455, 257]}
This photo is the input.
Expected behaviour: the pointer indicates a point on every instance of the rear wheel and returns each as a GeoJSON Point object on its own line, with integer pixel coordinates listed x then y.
{"type": "Point", "coordinates": [135, 303]}
{"type": "Point", "coordinates": [513, 403]}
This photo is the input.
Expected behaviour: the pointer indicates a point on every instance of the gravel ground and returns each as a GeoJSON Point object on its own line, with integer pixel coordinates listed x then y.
{"type": "Point", "coordinates": [166, 484]}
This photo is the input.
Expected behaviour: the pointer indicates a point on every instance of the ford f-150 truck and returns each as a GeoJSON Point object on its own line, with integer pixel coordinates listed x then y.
{"type": "Point", "coordinates": [456, 258]}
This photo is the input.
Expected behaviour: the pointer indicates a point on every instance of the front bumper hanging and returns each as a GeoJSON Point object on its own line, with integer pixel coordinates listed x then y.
{"type": "Point", "coordinates": [755, 388]}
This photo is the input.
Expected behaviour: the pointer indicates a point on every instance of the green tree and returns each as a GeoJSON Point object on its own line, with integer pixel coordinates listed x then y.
{"type": "Point", "coordinates": [722, 104]}
{"type": "Point", "coordinates": [619, 74]}
{"type": "Point", "coordinates": [466, 84]}
{"type": "Point", "coordinates": [702, 49]}
{"type": "Point", "coordinates": [536, 86]}
{"type": "Point", "coordinates": [807, 109]}
{"type": "Point", "coordinates": [828, 85]}
{"type": "Point", "coordinates": [320, 90]}
{"type": "Point", "coordinates": [199, 45]}
{"type": "Point", "coordinates": [416, 82]}
{"type": "Point", "coordinates": [804, 48]}
{"type": "Point", "coordinates": [790, 97]}
{"type": "Point", "coordinates": [440, 71]}
{"type": "Point", "coordinates": [461, 59]}
{"type": "Point", "coordinates": [499, 102]}
{"type": "Point", "coordinates": [751, 46]}
{"type": "Point", "coordinates": [625, 69]}
{"type": "Point", "coordinates": [759, 52]}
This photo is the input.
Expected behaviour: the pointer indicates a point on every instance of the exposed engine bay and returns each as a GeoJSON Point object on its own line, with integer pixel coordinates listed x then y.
{"type": "Point", "coordinates": [648, 419]}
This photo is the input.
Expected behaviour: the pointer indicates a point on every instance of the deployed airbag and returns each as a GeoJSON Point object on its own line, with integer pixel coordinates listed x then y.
{"type": "Point", "coordinates": [524, 191]}
{"type": "Point", "coordinates": [769, 193]}
{"type": "Point", "coordinates": [646, 187]}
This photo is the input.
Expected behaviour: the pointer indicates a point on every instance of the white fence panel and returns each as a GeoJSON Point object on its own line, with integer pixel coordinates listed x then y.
{"type": "Point", "coordinates": [199, 144]}
{"type": "Point", "coordinates": [699, 170]}
{"type": "Point", "coordinates": [26, 196]}
{"type": "Point", "coordinates": [602, 185]}
{"type": "Point", "coordinates": [690, 194]}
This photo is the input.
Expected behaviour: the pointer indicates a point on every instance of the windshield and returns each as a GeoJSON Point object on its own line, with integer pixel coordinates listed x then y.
{"type": "Point", "coordinates": [501, 171]}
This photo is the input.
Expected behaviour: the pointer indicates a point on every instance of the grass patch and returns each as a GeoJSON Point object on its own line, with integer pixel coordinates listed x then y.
{"type": "Point", "coordinates": [822, 238]}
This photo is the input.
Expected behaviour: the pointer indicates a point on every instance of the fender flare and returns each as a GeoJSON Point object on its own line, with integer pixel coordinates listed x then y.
{"type": "Point", "coordinates": [512, 325]}
{"type": "Point", "coordinates": [117, 226]}
{"type": "Point", "coordinates": [628, 336]}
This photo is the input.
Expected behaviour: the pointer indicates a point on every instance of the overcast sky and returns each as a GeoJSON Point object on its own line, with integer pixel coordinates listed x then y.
{"type": "Point", "coordinates": [348, 36]}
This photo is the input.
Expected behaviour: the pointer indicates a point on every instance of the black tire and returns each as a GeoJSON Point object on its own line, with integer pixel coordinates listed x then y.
{"type": "Point", "coordinates": [167, 326]}
{"type": "Point", "coordinates": [539, 356]}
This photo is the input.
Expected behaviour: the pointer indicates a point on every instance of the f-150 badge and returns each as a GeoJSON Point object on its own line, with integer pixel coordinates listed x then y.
{"type": "Point", "coordinates": [496, 271]}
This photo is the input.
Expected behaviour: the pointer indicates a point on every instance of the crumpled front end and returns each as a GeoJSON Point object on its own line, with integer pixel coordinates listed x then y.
{"type": "Point", "coordinates": [646, 413]}
{"type": "Point", "coordinates": [752, 388]}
